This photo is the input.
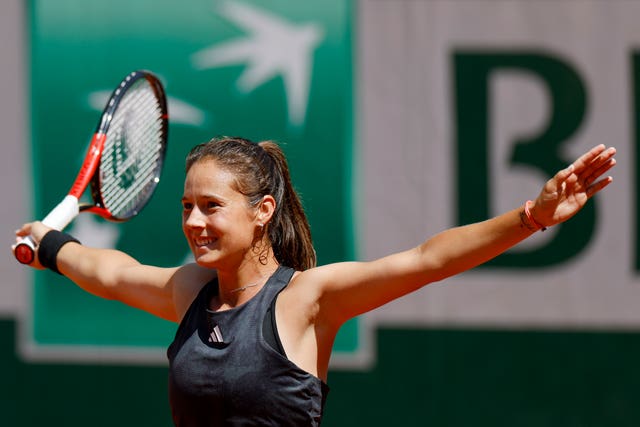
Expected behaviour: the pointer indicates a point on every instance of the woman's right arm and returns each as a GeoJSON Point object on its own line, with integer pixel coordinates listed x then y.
{"type": "Point", "coordinates": [114, 275]}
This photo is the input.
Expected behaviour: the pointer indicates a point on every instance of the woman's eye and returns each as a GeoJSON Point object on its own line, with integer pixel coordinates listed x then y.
{"type": "Point", "coordinates": [186, 206]}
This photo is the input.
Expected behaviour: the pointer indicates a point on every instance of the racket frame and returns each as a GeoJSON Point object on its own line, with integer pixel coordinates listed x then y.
{"type": "Point", "coordinates": [70, 206]}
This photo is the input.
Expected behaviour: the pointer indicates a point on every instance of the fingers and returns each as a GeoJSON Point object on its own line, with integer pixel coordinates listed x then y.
{"type": "Point", "coordinates": [595, 164]}
{"type": "Point", "coordinates": [23, 231]}
{"type": "Point", "coordinates": [588, 167]}
{"type": "Point", "coordinates": [564, 174]}
{"type": "Point", "coordinates": [580, 179]}
{"type": "Point", "coordinates": [587, 158]}
{"type": "Point", "coordinates": [591, 175]}
{"type": "Point", "coordinates": [35, 229]}
{"type": "Point", "coordinates": [594, 188]}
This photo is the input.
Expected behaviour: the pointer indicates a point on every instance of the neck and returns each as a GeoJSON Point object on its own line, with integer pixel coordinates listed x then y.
{"type": "Point", "coordinates": [243, 283]}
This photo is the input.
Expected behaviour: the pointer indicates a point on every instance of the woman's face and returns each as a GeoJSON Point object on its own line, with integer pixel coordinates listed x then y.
{"type": "Point", "coordinates": [217, 220]}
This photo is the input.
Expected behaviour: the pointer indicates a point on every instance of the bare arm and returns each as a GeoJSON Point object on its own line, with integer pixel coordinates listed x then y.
{"type": "Point", "coordinates": [352, 288]}
{"type": "Point", "coordinates": [112, 274]}
{"type": "Point", "coordinates": [347, 289]}
{"type": "Point", "coordinates": [115, 275]}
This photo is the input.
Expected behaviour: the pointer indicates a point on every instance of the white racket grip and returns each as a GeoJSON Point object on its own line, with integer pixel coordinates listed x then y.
{"type": "Point", "coordinates": [63, 213]}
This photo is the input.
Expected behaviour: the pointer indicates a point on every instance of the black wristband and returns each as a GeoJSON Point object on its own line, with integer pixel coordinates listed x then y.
{"type": "Point", "coordinates": [49, 247]}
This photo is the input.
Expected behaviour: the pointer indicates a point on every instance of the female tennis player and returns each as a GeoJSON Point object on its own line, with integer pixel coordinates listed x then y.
{"type": "Point", "coordinates": [257, 318]}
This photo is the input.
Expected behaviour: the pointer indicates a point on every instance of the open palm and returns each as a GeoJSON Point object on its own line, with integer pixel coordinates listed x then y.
{"type": "Point", "coordinates": [568, 191]}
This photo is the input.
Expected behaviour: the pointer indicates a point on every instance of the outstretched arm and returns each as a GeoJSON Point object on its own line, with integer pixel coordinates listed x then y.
{"type": "Point", "coordinates": [349, 289]}
{"type": "Point", "coordinates": [113, 274]}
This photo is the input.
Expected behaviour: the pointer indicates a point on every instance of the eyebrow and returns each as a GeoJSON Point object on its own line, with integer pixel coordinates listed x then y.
{"type": "Point", "coordinates": [206, 197]}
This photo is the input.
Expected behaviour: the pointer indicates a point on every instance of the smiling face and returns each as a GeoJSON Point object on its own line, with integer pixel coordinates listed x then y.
{"type": "Point", "coordinates": [217, 220]}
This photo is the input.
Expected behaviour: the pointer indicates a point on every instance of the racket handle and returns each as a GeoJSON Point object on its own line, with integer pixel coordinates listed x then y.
{"type": "Point", "coordinates": [25, 251]}
{"type": "Point", "coordinates": [63, 213]}
{"type": "Point", "coordinates": [57, 219]}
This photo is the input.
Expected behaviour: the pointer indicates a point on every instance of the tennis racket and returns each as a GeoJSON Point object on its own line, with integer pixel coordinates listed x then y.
{"type": "Point", "coordinates": [123, 162]}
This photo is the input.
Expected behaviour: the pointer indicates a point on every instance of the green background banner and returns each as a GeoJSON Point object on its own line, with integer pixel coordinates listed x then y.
{"type": "Point", "coordinates": [261, 70]}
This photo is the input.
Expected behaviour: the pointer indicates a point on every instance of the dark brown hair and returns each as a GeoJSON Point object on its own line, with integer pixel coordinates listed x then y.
{"type": "Point", "coordinates": [261, 169]}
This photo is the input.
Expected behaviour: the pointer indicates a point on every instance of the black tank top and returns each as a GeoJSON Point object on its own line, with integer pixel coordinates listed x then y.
{"type": "Point", "coordinates": [222, 372]}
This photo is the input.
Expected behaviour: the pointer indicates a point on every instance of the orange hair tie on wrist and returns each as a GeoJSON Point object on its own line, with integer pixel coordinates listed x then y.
{"type": "Point", "coordinates": [535, 223]}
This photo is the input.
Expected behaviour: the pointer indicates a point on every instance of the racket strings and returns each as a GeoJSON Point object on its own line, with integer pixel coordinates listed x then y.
{"type": "Point", "coordinates": [120, 197]}
{"type": "Point", "coordinates": [133, 154]}
{"type": "Point", "coordinates": [121, 201]}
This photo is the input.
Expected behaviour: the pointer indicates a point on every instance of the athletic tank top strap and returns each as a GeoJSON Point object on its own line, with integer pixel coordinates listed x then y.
{"type": "Point", "coordinates": [270, 328]}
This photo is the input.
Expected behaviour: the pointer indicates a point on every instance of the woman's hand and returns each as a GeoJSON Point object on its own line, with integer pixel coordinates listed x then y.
{"type": "Point", "coordinates": [36, 230]}
{"type": "Point", "coordinates": [568, 191]}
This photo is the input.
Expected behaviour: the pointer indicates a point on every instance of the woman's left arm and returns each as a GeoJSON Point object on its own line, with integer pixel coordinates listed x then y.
{"type": "Point", "coordinates": [345, 290]}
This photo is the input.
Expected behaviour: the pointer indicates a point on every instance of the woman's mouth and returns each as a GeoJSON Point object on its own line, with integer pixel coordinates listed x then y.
{"type": "Point", "coordinates": [203, 241]}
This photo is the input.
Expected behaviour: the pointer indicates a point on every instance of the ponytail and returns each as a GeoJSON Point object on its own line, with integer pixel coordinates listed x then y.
{"type": "Point", "coordinates": [289, 230]}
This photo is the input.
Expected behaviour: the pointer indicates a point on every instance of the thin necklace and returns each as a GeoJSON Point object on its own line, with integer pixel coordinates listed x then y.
{"type": "Point", "coordinates": [242, 288]}
{"type": "Point", "coordinates": [251, 285]}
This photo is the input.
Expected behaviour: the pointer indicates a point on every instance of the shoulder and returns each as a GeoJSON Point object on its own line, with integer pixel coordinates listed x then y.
{"type": "Point", "coordinates": [307, 289]}
{"type": "Point", "coordinates": [321, 278]}
{"type": "Point", "coordinates": [187, 282]}
{"type": "Point", "coordinates": [333, 293]}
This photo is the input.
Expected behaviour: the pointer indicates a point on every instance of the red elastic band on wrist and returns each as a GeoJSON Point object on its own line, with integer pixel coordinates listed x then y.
{"type": "Point", "coordinates": [527, 212]}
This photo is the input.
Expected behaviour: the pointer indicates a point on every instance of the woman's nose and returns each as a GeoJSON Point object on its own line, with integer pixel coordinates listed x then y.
{"type": "Point", "coordinates": [194, 219]}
